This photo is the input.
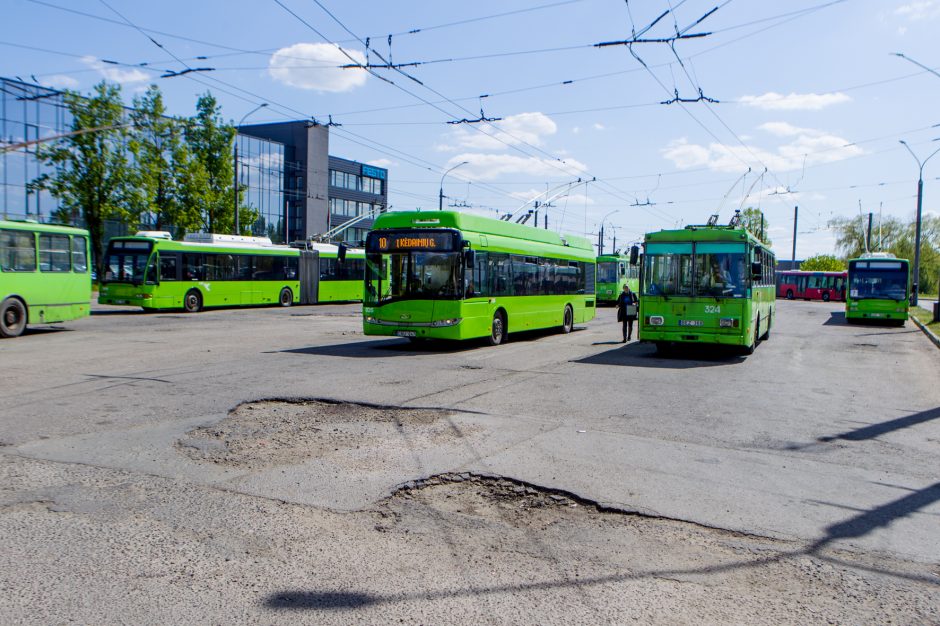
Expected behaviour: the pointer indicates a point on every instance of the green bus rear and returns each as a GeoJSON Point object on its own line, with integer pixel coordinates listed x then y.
{"type": "Point", "coordinates": [879, 289]}
{"type": "Point", "coordinates": [154, 272]}
{"type": "Point", "coordinates": [706, 284]}
{"type": "Point", "coordinates": [448, 275]}
{"type": "Point", "coordinates": [613, 272]}
{"type": "Point", "coordinates": [44, 275]}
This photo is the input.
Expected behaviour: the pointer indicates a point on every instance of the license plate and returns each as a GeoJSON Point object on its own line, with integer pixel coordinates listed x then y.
{"type": "Point", "coordinates": [877, 314]}
{"type": "Point", "coordinates": [120, 302]}
{"type": "Point", "coordinates": [406, 333]}
{"type": "Point", "coordinates": [690, 322]}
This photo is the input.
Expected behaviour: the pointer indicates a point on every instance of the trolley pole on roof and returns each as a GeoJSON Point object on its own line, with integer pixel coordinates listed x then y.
{"type": "Point", "coordinates": [796, 211]}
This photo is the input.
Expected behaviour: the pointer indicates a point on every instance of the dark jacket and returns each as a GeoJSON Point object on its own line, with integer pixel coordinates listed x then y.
{"type": "Point", "coordinates": [623, 300]}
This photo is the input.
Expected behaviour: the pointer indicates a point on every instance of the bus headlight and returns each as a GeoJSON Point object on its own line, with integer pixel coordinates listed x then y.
{"type": "Point", "coordinates": [370, 319]}
{"type": "Point", "coordinates": [728, 322]}
{"type": "Point", "coordinates": [449, 322]}
{"type": "Point", "coordinates": [655, 320]}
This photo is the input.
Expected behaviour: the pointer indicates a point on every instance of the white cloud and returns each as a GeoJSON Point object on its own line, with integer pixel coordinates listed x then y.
{"type": "Point", "coordinates": [530, 128]}
{"type": "Point", "coordinates": [60, 81]}
{"type": "Point", "coordinates": [486, 167]}
{"type": "Point", "coordinates": [806, 144]}
{"type": "Point", "coordinates": [772, 101]}
{"type": "Point", "coordinates": [576, 130]}
{"type": "Point", "coordinates": [598, 126]}
{"type": "Point", "coordinates": [116, 73]}
{"type": "Point", "coordinates": [919, 10]}
{"type": "Point", "coordinates": [315, 66]}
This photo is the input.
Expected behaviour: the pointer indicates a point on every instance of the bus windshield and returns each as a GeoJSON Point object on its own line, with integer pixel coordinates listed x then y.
{"type": "Point", "coordinates": [413, 276]}
{"type": "Point", "coordinates": [126, 261]}
{"type": "Point", "coordinates": [607, 272]}
{"type": "Point", "coordinates": [708, 272]}
{"type": "Point", "coordinates": [881, 284]}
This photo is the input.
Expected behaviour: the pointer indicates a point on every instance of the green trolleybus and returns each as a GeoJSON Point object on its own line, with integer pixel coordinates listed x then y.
{"type": "Point", "coordinates": [706, 284]}
{"type": "Point", "coordinates": [44, 275]}
{"type": "Point", "coordinates": [879, 288]}
{"type": "Point", "coordinates": [448, 275]}
{"type": "Point", "coordinates": [152, 271]}
{"type": "Point", "coordinates": [613, 272]}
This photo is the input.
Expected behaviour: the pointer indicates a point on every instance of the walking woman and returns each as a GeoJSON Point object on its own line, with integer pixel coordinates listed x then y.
{"type": "Point", "coordinates": [627, 311]}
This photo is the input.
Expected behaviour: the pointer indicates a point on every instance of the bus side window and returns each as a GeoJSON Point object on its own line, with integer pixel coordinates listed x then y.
{"type": "Point", "coordinates": [79, 254]}
{"type": "Point", "coordinates": [168, 267]}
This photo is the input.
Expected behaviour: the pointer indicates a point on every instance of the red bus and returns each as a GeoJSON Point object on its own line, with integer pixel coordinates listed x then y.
{"type": "Point", "coordinates": [823, 286]}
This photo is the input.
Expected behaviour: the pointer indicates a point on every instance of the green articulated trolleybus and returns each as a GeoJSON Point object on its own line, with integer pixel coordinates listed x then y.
{"type": "Point", "coordinates": [449, 275]}
{"type": "Point", "coordinates": [706, 284]}
{"type": "Point", "coordinates": [879, 288]}
{"type": "Point", "coordinates": [44, 275]}
{"type": "Point", "coordinates": [613, 272]}
{"type": "Point", "coordinates": [153, 271]}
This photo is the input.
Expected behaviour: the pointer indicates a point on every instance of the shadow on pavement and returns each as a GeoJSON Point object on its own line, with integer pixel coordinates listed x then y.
{"type": "Point", "coordinates": [45, 330]}
{"type": "Point", "coordinates": [638, 354]}
{"type": "Point", "coordinates": [874, 430]}
{"type": "Point", "coordinates": [836, 318]}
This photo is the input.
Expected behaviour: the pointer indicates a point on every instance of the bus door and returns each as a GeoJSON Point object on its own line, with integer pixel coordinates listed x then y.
{"type": "Point", "coordinates": [309, 276]}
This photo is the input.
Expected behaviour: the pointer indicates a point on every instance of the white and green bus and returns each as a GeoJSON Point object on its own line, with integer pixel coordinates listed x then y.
{"type": "Point", "coordinates": [152, 271]}
{"type": "Point", "coordinates": [879, 289]}
{"type": "Point", "coordinates": [449, 275]}
{"type": "Point", "coordinates": [44, 275]}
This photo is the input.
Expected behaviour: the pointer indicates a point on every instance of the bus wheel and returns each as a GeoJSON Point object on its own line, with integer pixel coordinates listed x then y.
{"type": "Point", "coordinates": [825, 296]}
{"type": "Point", "coordinates": [498, 333]}
{"type": "Point", "coordinates": [287, 297]}
{"type": "Point", "coordinates": [789, 294]}
{"type": "Point", "coordinates": [192, 302]}
{"type": "Point", "coordinates": [12, 318]}
{"type": "Point", "coordinates": [568, 320]}
{"type": "Point", "coordinates": [767, 332]}
{"type": "Point", "coordinates": [750, 349]}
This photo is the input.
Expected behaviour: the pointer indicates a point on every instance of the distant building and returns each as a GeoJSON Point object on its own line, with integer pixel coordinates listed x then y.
{"type": "Point", "coordinates": [284, 171]}
{"type": "Point", "coordinates": [783, 266]}
{"type": "Point", "coordinates": [321, 191]}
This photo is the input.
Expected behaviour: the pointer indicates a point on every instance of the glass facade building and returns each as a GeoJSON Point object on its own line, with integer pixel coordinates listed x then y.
{"type": "Point", "coordinates": [261, 182]}
{"type": "Point", "coordinates": [27, 112]}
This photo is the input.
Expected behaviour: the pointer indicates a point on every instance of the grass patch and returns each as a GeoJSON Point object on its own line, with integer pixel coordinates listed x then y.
{"type": "Point", "coordinates": [925, 317]}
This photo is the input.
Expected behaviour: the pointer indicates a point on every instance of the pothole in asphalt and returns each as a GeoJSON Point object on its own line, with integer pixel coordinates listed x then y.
{"type": "Point", "coordinates": [282, 432]}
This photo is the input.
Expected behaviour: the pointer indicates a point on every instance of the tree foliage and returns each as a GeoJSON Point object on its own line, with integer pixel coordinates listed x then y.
{"type": "Point", "coordinates": [894, 236]}
{"type": "Point", "coordinates": [751, 220]}
{"type": "Point", "coordinates": [92, 176]}
{"type": "Point", "coordinates": [823, 263]}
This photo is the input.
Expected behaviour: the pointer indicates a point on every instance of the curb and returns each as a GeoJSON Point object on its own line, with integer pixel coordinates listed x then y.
{"type": "Point", "coordinates": [927, 331]}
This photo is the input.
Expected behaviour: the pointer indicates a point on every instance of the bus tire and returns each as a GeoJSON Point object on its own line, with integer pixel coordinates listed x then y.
{"type": "Point", "coordinates": [750, 349]}
{"type": "Point", "coordinates": [12, 318]}
{"type": "Point", "coordinates": [767, 332]}
{"type": "Point", "coordinates": [789, 294]}
{"type": "Point", "coordinates": [286, 298]}
{"type": "Point", "coordinates": [192, 301]}
{"type": "Point", "coordinates": [825, 296]}
{"type": "Point", "coordinates": [498, 329]}
{"type": "Point", "coordinates": [567, 320]}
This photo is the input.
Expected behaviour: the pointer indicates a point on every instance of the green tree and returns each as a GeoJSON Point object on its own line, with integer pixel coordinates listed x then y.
{"type": "Point", "coordinates": [161, 165]}
{"type": "Point", "coordinates": [823, 263]}
{"type": "Point", "coordinates": [209, 142]}
{"type": "Point", "coordinates": [91, 174]}
{"type": "Point", "coordinates": [751, 220]}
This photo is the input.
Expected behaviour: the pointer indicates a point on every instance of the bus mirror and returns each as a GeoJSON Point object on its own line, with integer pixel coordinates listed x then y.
{"type": "Point", "coordinates": [634, 254]}
{"type": "Point", "coordinates": [469, 258]}
{"type": "Point", "coordinates": [756, 269]}
{"type": "Point", "coordinates": [341, 253]}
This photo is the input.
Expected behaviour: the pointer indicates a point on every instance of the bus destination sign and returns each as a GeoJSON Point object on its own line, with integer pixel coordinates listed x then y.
{"type": "Point", "coordinates": [418, 240]}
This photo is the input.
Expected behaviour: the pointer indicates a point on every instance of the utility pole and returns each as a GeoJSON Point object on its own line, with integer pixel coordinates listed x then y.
{"type": "Point", "coordinates": [796, 211]}
{"type": "Point", "coordinates": [870, 214]}
{"type": "Point", "coordinates": [600, 241]}
{"type": "Point", "coordinates": [920, 199]}
{"type": "Point", "coordinates": [440, 197]}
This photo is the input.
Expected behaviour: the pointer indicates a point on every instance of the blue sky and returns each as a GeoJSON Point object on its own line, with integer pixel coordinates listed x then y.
{"type": "Point", "coordinates": [809, 89]}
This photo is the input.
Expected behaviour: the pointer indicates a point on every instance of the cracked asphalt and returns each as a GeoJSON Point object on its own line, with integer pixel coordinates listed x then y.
{"type": "Point", "coordinates": [557, 478]}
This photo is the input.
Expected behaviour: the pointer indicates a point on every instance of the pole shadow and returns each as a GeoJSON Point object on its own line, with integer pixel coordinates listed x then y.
{"type": "Point", "coordinates": [874, 430]}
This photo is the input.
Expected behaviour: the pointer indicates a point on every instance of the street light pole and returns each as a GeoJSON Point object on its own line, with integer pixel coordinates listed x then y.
{"type": "Point", "coordinates": [920, 200]}
{"type": "Point", "coordinates": [235, 162]}
{"type": "Point", "coordinates": [440, 196]}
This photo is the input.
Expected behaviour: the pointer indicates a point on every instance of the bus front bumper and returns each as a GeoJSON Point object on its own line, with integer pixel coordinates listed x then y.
{"type": "Point", "coordinates": [693, 335]}
{"type": "Point", "coordinates": [441, 329]}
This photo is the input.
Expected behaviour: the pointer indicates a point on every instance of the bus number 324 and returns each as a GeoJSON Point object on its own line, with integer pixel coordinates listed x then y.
{"type": "Point", "coordinates": [711, 308]}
